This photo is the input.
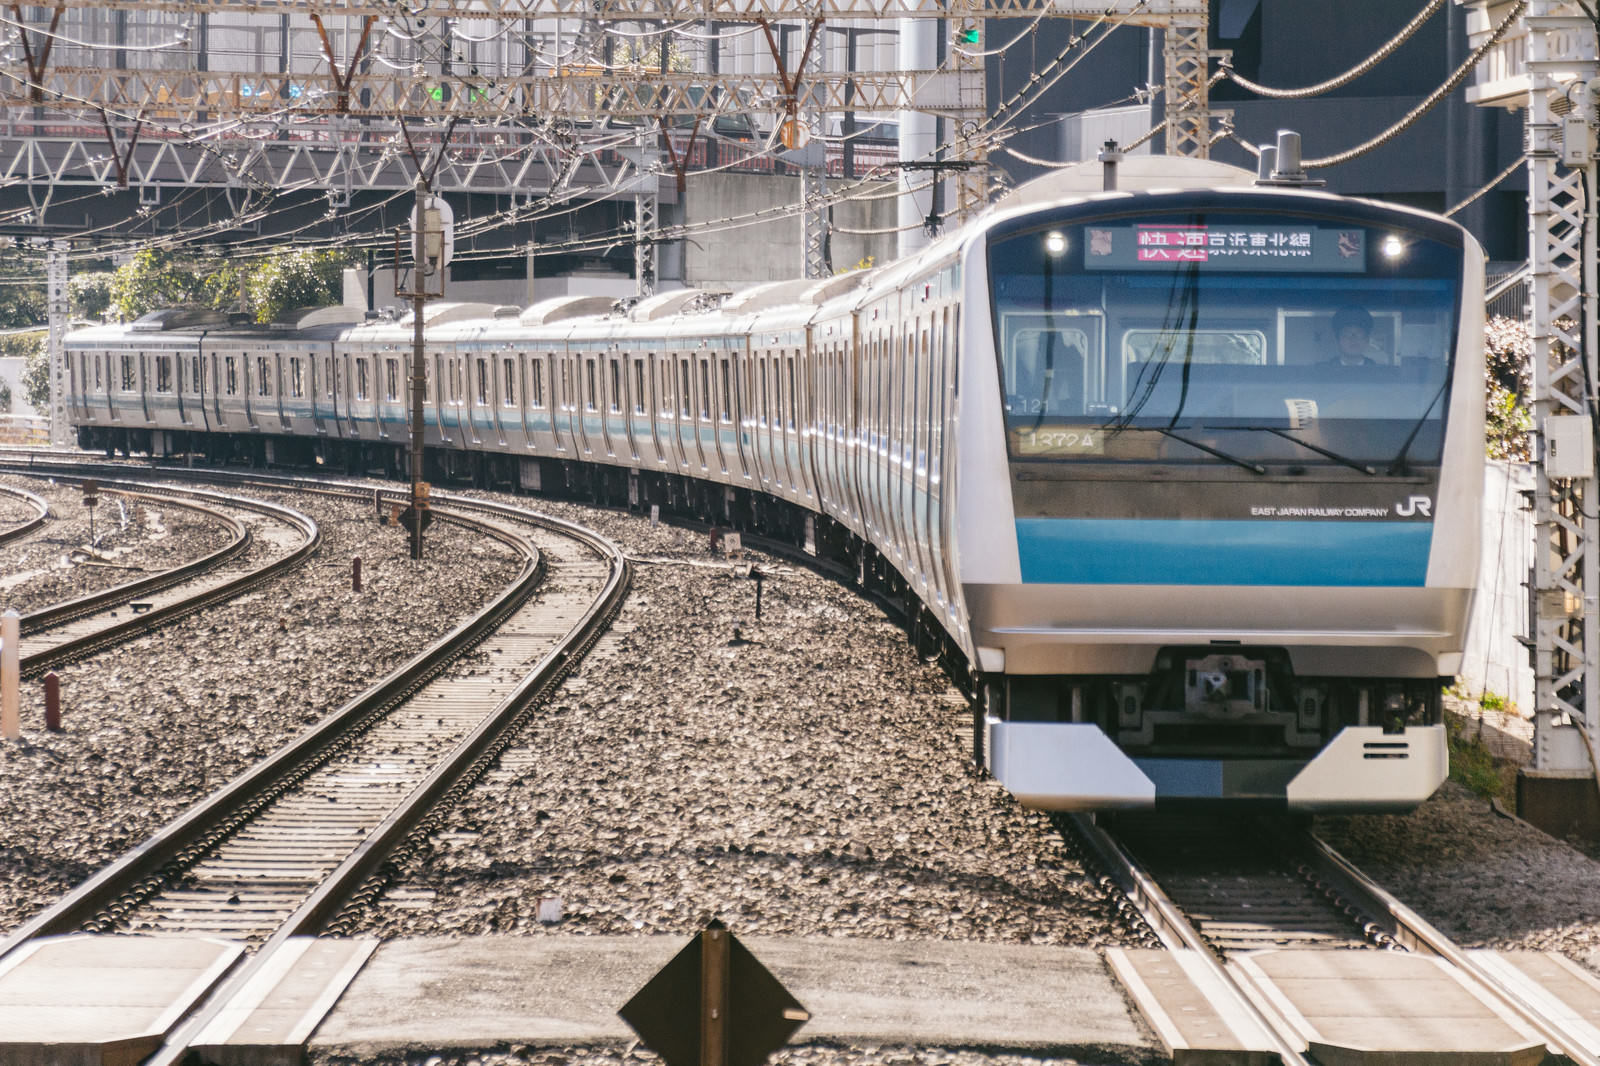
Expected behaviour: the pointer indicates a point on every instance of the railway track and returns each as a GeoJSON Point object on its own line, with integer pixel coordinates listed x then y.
{"type": "Point", "coordinates": [72, 630]}
{"type": "Point", "coordinates": [298, 845]}
{"type": "Point", "coordinates": [31, 500]}
{"type": "Point", "coordinates": [1222, 891]}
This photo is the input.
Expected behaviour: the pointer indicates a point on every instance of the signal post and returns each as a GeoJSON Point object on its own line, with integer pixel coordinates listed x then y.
{"type": "Point", "coordinates": [432, 245]}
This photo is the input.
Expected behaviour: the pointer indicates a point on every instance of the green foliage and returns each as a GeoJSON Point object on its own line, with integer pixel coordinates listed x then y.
{"type": "Point", "coordinates": [1472, 765]}
{"type": "Point", "coordinates": [5, 397]}
{"type": "Point", "coordinates": [1493, 701]}
{"type": "Point", "coordinates": [89, 295]}
{"type": "Point", "coordinates": [296, 279]}
{"type": "Point", "coordinates": [1508, 370]}
{"type": "Point", "coordinates": [153, 279]}
{"type": "Point", "coordinates": [36, 373]}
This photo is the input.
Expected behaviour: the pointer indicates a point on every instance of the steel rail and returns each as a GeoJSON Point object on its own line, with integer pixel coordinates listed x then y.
{"type": "Point", "coordinates": [359, 878]}
{"type": "Point", "coordinates": [34, 501]}
{"type": "Point", "coordinates": [1419, 935]}
{"type": "Point", "coordinates": [1176, 931]}
{"type": "Point", "coordinates": [100, 901]}
{"type": "Point", "coordinates": [68, 610]}
{"type": "Point", "coordinates": [121, 887]}
{"type": "Point", "coordinates": [164, 614]}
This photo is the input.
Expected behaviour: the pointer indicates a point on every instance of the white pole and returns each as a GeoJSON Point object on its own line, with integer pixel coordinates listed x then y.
{"type": "Point", "coordinates": [11, 674]}
{"type": "Point", "coordinates": [919, 42]}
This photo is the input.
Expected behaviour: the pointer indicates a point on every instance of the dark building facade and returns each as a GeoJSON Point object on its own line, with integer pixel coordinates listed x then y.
{"type": "Point", "coordinates": [1446, 156]}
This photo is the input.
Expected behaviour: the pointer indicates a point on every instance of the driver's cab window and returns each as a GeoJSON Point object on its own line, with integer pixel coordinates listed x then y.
{"type": "Point", "coordinates": [1046, 367]}
{"type": "Point", "coordinates": [1345, 336]}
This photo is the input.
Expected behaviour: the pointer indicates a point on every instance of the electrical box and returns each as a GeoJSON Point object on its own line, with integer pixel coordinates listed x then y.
{"type": "Point", "coordinates": [1577, 141]}
{"type": "Point", "coordinates": [1568, 446]}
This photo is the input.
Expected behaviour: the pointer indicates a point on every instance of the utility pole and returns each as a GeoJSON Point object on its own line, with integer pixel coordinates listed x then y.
{"type": "Point", "coordinates": [432, 244]}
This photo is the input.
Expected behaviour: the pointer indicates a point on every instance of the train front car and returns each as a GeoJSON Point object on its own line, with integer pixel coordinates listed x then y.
{"type": "Point", "coordinates": [1220, 491]}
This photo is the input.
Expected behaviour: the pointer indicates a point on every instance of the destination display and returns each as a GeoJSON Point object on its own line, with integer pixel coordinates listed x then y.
{"type": "Point", "coordinates": [1225, 247]}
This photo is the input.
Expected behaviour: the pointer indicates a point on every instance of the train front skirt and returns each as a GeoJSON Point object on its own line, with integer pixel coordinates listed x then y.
{"type": "Point", "coordinates": [1075, 766]}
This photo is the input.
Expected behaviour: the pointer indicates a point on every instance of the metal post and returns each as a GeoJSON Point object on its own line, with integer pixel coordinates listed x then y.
{"type": "Point", "coordinates": [419, 393]}
{"type": "Point", "coordinates": [11, 674]}
{"type": "Point", "coordinates": [52, 702]}
{"type": "Point", "coordinates": [55, 340]}
{"type": "Point", "coordinates": [714, 995]}
{"type": "Point", "coordinates": [1565, 613]}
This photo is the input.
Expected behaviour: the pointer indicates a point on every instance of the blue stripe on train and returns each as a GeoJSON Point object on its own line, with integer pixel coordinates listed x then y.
{"type": "Point", "coordinates": [1096, 551]}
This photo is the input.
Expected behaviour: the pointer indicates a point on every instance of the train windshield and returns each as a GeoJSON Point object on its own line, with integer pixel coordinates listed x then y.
{"type": "Point", "coordinates": [1250, 339]}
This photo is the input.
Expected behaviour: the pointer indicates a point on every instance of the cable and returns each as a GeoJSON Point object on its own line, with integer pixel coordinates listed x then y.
{"type": "Point", "coordinates": [1433, 98]}
{"type": "Point", "coordinates": [1343, 79]}
{"type": "Point", "coordinates": [1496, 180]}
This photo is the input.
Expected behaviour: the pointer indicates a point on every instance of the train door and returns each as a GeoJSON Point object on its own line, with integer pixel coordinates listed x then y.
{"type": "Point", "coordinates": [505, 394]}
{"type": "Point", "coordinates": [705, 435]}
{"type": "Point", "coordinates": [588, 404]}
{"type": "Point", "coordinates": [278, 391]}
{"type": "Point", "coordinates": [247, 386]}
{"type": "Point", "coordinates": [722, 410]}
{"type": "Point", "coordinates": [738, 410]}
{"type": "Point", "coordinates": [918, 472]}
{"type": "Point", "coordinates": [638, 408]}
{"type": "Point", "coordinates": [759, 368]}
{"type": "Point", "coordinates": [141, 385]}
{"type": "Point", "coordinates": [224, 385]}
{"type": "Point", "coordinates": [561, 402]}
{"type": "Point", "coordinates": [944, 412]}
{"type": "Point", "coordinates": [480, 395]}
{"type": "Point", "coordinates": [675, 385]}
{"type": "Point", "coordinates": [612, 410]}
{"type": "Point", "coordinates": [930, 520]}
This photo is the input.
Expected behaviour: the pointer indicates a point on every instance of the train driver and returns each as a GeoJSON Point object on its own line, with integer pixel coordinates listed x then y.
{"type": "Point", "coordinates": [1352, 334]}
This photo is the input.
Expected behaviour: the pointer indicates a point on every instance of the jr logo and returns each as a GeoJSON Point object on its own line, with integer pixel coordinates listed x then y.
{"type": "Point", "coordinates": [1415, 505]}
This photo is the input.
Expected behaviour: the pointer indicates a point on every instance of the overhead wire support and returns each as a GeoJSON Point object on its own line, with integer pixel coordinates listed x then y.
{"type": "Point", "coordinates": [741, 11]}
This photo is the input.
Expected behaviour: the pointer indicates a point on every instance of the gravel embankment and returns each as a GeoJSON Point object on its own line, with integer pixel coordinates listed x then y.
{"type": "Point", "coordinates": [156, 725]}
{"type": "Point", "coordinates": [798, 1054]}
{"type": "Point", "coordinates": [1482, 878]}
{"type": "Point", "coordinates": [804, 775]}
{"type": "Point", "coordinates": [131, 540]}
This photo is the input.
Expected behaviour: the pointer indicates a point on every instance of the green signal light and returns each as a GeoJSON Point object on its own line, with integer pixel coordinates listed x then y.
{"type": "Point", "coordinates": [967, 36]}
{"type": "Point", "coordinates": [437, 92]}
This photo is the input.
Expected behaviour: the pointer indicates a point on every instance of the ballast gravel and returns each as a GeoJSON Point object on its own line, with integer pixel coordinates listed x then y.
{"type": "Point", "coordinates": [1482, 877]}
{"type": "Point", "coordinates": [153, 726]}
{"type": "Point", "coordinates": [801, 774]}
{"type": "Point", "coordinates": [130, 539]}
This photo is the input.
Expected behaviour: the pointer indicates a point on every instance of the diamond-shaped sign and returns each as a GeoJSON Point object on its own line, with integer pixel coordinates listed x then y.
{"type": "Point", "coordinates": [714, 1005]}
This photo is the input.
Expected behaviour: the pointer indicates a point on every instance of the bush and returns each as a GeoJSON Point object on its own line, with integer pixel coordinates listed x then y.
{"type": "Point", "coordinates": [1508, 370]}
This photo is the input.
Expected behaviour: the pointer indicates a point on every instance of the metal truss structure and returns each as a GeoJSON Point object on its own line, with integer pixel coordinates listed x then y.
{"type": "Point", "coordinates": [1135, 12]}
{"type": "Point", "coordinates": [1546, 66]}
{"type": "Point", "coordinates": [1561, 242]}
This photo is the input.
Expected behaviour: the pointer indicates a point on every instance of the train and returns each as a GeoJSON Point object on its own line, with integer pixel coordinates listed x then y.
{"type": "Point", "coordinates": [1182, 475]}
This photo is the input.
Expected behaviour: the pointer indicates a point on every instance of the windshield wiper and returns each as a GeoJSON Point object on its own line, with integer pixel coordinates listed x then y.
{"type": "Point", "coordinates": [1398, 465]}
{"type": "Point", "coordinates": [1254, 468]}
{"type": "Point", "coordinates": [1335, 456]}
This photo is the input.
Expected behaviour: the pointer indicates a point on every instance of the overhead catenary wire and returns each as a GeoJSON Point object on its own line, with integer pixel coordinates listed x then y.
{"type": "Point", "coordinates": [1496, 180]}
{"type": "Point", "coordinates": [1432, 99]}
{"type": "Point", "coordinates": [1341, 80]}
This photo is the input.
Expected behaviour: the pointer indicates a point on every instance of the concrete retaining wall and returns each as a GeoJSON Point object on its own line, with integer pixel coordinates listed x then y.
{"type": "Point", "coordinates": [1495, 662]}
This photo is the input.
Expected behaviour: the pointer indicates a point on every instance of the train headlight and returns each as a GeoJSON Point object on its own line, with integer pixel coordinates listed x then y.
{"type": "Point", "coordinates": [1055, 242]}
{"type": "Point", "coordinates": [1392, 247]}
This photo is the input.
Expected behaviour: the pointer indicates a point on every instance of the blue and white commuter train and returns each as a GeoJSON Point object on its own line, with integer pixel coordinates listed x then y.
{"type": "Point", "coordinates": [1186, 475]}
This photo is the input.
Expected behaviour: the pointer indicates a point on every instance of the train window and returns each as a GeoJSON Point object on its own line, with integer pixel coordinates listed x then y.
{"type": "Point", "coordinates": [616, 385]}
{"type": "Point", "coordinates": [297, 381]}
{"type": "Point", "coordinates": [263, 386]}
{"type": "Point", "coordinates": [638, 387]}
{"type": "Point", "coordinates": [508, 397]}
{"type": "Point", "coordinates": [589, 403]}
{"type": "Point", "coordinates": [724, 401]}
{"type": "Point", "coordinates": [391, 379]}
{"type": "Point", "coordinates": [456, 390]}
{"type": "Point", "coordinates": [794, 396]}
{"type": "Point", "coordinates": [683, 387]}
{"type": "Point", "coordinates": [194, 374]}
{"type": "Point", "coordinates": [163, 373]}
{"type": "Point", "coordinates": [536, 384]}
{"type": "Point", "coordinates": [566, 385]}
{"type": "Point", "coordinates": [327, 376]}
{"type": "Point", "coordinates": [705, 391]}
{"type": "Point", "coordinates": [362, 389]}
{"type": "Point", "coordinates": [98, 384]}
{"type": "Point", "coordinates": [482, 366]}
{"type": "Point", "coordinates": [230, 367]}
